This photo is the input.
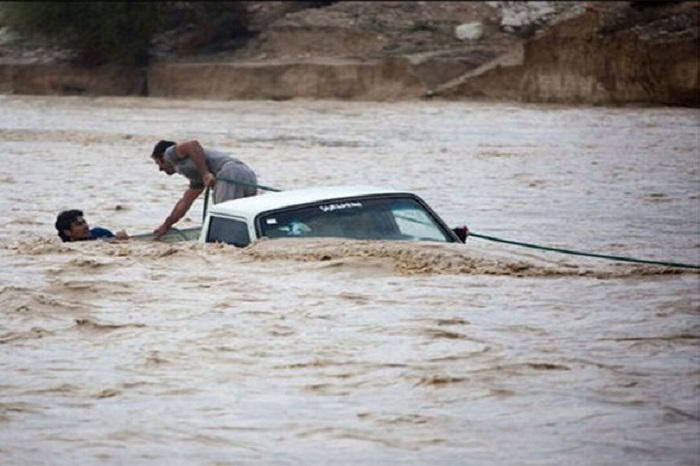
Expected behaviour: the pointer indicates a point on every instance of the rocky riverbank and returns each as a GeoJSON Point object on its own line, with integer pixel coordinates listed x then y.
{"type": "Point", "coordinates": [600, 53]}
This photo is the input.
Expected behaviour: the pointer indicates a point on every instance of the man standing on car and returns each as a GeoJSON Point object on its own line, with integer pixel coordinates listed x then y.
{"type": "Point", "coordinates": [202, 167]}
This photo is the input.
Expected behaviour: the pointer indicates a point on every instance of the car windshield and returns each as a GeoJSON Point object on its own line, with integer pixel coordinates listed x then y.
{"type": "Point", "coordinates": [385, 218]}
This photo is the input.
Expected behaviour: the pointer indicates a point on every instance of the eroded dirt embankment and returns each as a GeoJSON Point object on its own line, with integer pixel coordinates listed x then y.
{"type": "Point", "coordinates": [580, 62]}
{"type": "Point", "coordinates": [605, 56]}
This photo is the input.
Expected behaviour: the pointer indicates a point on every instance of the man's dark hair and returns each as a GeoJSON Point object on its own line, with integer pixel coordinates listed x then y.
{"type": "Point", "coordinates": [64, 221]}
{"type": "Point", "coordinates": [159, 148]}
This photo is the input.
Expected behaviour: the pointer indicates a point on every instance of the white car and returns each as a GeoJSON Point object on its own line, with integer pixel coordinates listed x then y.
{"type": "Point", "coordinates": [351, 212]}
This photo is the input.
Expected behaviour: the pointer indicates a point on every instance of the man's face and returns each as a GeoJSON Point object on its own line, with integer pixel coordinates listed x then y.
{"type": "Point", "coordinates": [164, 165]}
{"type": "Point", "coordinates": [79, 230]}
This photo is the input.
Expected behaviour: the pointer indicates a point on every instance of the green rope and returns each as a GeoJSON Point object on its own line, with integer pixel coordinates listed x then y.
{"type": "Point", "coordinates": [587, 254]}
{"type": "Point", "coordinates": [149, 235]}
{"type": "Point", "coordinates": [206, 205]}
{"type": "Point", "coordinates": [251, 185]}
{"type": "Point", "coordinates": [181, 234]}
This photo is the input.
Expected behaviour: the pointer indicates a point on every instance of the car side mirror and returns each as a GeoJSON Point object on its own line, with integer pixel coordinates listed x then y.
{"type": "Point", "coordinates": [462, 233]}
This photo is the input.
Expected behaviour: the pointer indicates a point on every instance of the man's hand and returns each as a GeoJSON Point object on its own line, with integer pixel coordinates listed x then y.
{"type": "Point", "coordinates": [121, 235]}
{"type": "Point", "coordinates": [161, 230]}
{"type": "Point", "coordinates": [209, 180]}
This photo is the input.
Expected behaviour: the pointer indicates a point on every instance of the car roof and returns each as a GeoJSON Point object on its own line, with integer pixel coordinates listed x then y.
{"type": "Point", "coordinates": [252, 206]}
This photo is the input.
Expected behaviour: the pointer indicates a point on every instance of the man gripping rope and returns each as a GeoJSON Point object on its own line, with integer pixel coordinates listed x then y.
{"type": "Point", "coordinates": [202, 167]}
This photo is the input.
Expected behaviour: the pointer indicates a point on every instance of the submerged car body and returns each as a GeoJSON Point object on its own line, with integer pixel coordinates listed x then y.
{"type": "Point", "coordinates": [351, 212]}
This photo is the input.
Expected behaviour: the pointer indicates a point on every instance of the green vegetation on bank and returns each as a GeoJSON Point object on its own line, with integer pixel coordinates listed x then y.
{"type": "Point", "coordinates": [120, 33]}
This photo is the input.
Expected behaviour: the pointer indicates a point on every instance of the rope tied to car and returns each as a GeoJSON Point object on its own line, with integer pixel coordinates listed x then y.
{"type": "Point", "coordinates": [250, 185]}
{"type": "Point", "coordinates": [465, 233]}
{"type": "Point", "coordinates": [177, 231]}
{"type": "Point", "coordinates": [581, 253]}
{"type": "Point", "coordinates": [228, 180]}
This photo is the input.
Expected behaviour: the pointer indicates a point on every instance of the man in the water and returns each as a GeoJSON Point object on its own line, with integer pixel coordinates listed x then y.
{"type": "Point", "coordinates": [72, 226]}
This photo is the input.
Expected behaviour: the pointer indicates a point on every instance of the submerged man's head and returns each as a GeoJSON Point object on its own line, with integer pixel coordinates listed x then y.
{"type": "Point", "coordinates": [72, 226]}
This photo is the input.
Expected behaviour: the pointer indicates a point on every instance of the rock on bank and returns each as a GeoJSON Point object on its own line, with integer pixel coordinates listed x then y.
{"type": "Point", "coordinates": [598, 58]}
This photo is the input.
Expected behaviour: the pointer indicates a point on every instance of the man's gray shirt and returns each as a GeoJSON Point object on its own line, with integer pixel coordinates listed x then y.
{"type": "Point", "coordinates": [214, 159]}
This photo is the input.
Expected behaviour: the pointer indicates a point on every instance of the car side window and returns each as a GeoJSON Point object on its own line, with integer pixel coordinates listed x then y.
{"type": "Point", "coordinates": [229, 231]}
{"type": "Point", "coordinates": [416, 223]}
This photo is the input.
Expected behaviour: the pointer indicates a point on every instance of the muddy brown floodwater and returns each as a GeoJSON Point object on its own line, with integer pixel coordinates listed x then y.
{"type": "Point", "coordinates": [353, 353]}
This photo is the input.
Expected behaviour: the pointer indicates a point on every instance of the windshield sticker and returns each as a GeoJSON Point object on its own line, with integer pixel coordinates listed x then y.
{"type": "Point", "coordinates": [271, 221]}
{"type": "Point", "coordinates": [341, 206]}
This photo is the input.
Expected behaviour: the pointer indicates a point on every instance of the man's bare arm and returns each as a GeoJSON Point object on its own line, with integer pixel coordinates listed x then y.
{"type": "Point", "coordinates": [179, 211]}
{"type": "Point", "coordinates": [195, 151]}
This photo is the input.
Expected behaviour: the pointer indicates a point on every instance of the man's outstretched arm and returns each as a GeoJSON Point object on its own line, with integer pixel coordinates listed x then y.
{"type": "Point", "coordinates": [179, 211]}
